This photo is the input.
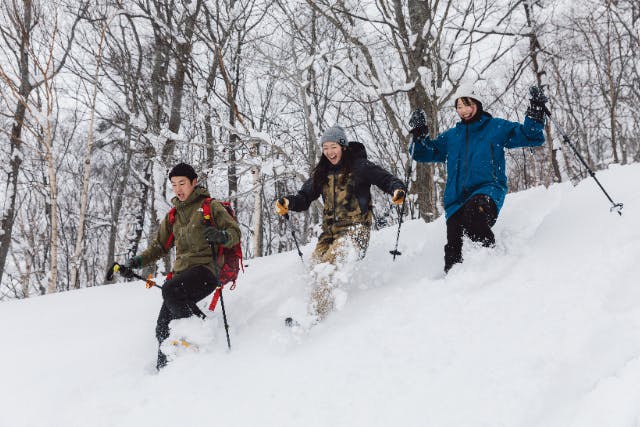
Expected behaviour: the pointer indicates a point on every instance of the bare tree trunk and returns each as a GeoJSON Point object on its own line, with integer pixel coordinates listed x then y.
{"type": "Point", "coordinates": [258, 230]}
{"type": "Point", "coordinates": [25, 281]}
{"type": "Point", "coordinates": [534, 49]}
{"type": "Point", "coordinates": [42, 125]}
{"type": "Point", "coordinates": [12, 185]}
{"type": "Point", "coordinates": [134, 243]}
{"type": "Point", "coordinates": [182, 58]}
{"type": "Point", "coordinates": [613, 88]}
{"type": "Point", "coordinates": [53, 185]}
{"type": "Point", "coordinates": [208, 128]}
{"type": "Point", "coordinates": [86, 175]}
{"type": "Point", "coordinates": [420, 14]}
{"type": "Point", "coordinates": [613, 116]}
{"type": "Point", "coordinates": [119, 195]}
{"type": "Point", "coordinates": [232, 177]}
{"type": "Point", "coordinates": [16, 134]}
{"type": "Point", "coordinates": [161, 50]}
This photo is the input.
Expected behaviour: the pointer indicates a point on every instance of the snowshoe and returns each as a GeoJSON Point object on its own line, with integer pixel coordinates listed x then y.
{"type": "Point", "coordinates": [181, 342]}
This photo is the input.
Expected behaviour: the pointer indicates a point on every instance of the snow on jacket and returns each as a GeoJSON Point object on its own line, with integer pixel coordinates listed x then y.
{"type": "Point", "coordinates": [192, 248]}
{"type": "Point", "coordinates": [474, 153]}
{"type": "Point", "coordinates": [347, 201]}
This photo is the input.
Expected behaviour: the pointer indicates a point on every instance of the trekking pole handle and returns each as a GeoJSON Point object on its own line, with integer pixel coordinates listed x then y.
{"type": "Point", "coordinates": [117, 267]}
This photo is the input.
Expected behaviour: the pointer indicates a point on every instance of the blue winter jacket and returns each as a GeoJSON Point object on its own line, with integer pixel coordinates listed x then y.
{"type": "Point", "coordinates": [474, 153]}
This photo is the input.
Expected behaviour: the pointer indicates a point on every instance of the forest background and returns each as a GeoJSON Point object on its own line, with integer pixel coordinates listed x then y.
{"type": "Point", "coordinates": [99, 99]}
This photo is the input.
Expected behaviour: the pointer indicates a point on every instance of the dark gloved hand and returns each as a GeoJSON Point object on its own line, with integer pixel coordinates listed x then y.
{"type": "Point", "coordinates": [537, 103]}
{"type": "Point", "coordinates": [216, 236]}
{"type": "Point", "coordinates": [127, 269]}
{"type": "Point", "coordinates": [418, 124]}
{"type": "Point", "coordinates": [134, 262]}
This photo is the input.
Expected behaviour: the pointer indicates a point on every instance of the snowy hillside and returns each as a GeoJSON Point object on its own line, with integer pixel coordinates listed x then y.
{"type": "Point", "coordinates": [543, 330]}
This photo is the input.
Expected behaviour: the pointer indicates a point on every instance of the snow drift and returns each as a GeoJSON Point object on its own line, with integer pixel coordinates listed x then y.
{"type": "Point", "coordinates": [543, 330]}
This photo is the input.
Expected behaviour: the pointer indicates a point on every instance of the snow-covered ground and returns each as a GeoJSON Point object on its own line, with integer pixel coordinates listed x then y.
{"type": "Point", "coordinates": [543, 330]}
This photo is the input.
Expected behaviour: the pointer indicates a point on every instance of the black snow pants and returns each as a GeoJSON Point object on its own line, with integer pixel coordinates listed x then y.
{"type": "Point", "coordinates": [180, 295]}
{"type": "Point", "coordinates": [475, 219]}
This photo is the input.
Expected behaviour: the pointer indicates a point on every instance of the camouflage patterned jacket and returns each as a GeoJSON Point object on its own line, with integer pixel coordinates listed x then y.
{"type": "Point", "coordinates": [191, 247]}
{"type": "Point", "coordinates": [347, 201]}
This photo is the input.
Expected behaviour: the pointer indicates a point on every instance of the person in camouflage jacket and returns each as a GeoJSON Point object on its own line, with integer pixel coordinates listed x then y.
{"type": "Point", "coordinates": [194, 273]}
{"type": "Point", "coordinates": [343, 177]}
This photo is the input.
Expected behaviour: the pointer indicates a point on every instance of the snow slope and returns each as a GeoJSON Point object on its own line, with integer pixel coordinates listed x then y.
{"type": "Point", "coordinates": [543, 330]}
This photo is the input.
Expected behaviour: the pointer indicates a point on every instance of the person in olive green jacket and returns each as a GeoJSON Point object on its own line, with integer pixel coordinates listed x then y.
{"type": "Point", "coordinates": [343, 177]}
{"type": "Point", "coordinates": [194, 273]}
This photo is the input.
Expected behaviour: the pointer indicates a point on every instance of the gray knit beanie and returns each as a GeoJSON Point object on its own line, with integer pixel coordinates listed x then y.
{"type": "Point", "coordinates": [335, 134]}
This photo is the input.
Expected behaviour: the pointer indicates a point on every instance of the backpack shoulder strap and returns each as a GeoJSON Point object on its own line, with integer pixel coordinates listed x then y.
{"type": "Point", "coordinates": [171, 216]}
{"type": "Point", "coordinates": [206, 211]}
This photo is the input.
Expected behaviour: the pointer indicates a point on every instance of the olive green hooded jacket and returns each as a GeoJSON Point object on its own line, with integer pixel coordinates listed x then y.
{"type": "Point", "coordinates": [192, 249]}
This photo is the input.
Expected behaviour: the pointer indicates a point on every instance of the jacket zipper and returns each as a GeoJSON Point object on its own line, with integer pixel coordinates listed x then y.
{"type": "Point", "coordinates": [335, 218]}
{"type": "Point", "coordinates": [464, 158]}
{"type": "Point", "coordinates": [493, 161]}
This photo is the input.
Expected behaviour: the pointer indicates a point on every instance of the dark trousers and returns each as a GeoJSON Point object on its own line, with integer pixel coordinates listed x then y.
{"type": "Point", "coordinates": [475, 219]}
{"type": "Point", "coordinates": [180, 295]}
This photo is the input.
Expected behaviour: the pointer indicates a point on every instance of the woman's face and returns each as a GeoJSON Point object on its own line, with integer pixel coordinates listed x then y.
{"type": "Point", "coordinates": [332, 151]}
{"type": "Point", "coordinates": [466, 112]}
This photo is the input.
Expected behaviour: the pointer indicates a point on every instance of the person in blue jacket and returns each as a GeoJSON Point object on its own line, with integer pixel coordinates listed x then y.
{"type": "Point", "coordinates": [474, 152]}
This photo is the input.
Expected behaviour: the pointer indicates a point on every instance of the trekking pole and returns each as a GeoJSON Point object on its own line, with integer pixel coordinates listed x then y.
{"type": "Point", "coordinates": [119, 268]}
{"type": "Point", "coordinates": [293, 233]}
{"type": "Point", "coordinates": [615, 206]}
{"type": "Point", "coordinates": [224, 317]}
{"type": "Point", "coordinates": [395, 252]}
{"type": "Point", "coordinates": [219, 289]}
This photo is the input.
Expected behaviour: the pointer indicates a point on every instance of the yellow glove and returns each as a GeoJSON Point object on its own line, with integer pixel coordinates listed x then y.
{"type": "Point", "coordinates": [282, 206]}
{"type": "Point", "coordinates": [398, 197]}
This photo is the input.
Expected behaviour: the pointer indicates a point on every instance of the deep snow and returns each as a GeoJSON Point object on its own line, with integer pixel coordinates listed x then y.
{"type": "Point", "coordinates": [543, 330]}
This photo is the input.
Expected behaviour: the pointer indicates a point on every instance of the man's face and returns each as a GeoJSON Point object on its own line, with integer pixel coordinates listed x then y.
{"type": "Point", "coordinates": [183, 187]}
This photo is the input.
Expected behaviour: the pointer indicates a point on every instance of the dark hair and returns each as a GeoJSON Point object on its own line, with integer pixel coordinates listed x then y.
{"type": "Point", "coordinates": [468, 101]}
{"type": "Point", "coordinates": [321, 171]}
{"type": "Point", "coordinates": [183, 169]}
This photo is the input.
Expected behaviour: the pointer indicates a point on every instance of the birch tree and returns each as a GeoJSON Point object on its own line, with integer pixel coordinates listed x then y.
{"type": "Point", "coordinates": [41, 53]}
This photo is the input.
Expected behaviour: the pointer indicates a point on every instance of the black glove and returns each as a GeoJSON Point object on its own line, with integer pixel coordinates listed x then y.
{"type": "Point", "coordinates": [418, 124]}
{"type": "Point", "coordinates": [537, 103]}
{"type": "Point", "coordinates": [126, 270]}
{"type": "Point", "coordinates": [134, 262]}
{"type": "Point", "coordinates": [216, 236]}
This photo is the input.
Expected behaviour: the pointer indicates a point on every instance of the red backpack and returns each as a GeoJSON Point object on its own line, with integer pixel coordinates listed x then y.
{"type": "Point", "coordinates": [232, 256]}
